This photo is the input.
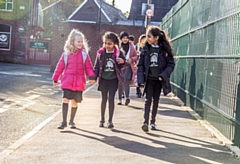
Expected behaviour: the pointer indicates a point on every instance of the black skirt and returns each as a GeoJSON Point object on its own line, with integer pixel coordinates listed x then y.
{"type": "Point", "coordinates": [75, 95]}
{"type": "Point", "coordinates": [105, 85]}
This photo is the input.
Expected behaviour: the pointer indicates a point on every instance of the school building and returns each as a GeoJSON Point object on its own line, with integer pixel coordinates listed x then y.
{"type": "Point", "coordinates": [21, 27]}
{"type": "Point", "coordinates": [95, 17]}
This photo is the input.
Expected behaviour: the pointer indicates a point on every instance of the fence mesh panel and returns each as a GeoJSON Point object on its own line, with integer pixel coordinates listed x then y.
{"type": "Point", "coordinates": [205, 36]}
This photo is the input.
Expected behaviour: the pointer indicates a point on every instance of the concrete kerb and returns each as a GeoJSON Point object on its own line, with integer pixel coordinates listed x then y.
{"type": "Point", "coordinates": [19, 142]}
{"type": "Point", "coordinates": [214, 132]}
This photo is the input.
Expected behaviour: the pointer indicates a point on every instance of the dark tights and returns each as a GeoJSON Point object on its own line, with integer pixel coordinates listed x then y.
{"type": "Point", "coordinates": [108, 91]}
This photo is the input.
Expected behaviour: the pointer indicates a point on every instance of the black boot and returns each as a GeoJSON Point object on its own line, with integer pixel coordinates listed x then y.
{"type": "Point", "coordinates": [139, 94]}
{"type": "Point", "coordinates": [64, 116]}
{"type": "Point", "coordinates": [73, 113]}
{"type": "Point", "coordinates": [62, 125]}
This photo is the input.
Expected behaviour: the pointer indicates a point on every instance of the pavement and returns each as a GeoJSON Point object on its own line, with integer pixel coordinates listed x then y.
{"type": "Point", "coordinates": [180, 137]}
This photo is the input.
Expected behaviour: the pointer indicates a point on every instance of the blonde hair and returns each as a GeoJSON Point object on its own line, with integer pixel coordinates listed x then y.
{"type": "Point", "coordinates": [141, 41]}
{"type": "Point", "coordinates": [69, 44]}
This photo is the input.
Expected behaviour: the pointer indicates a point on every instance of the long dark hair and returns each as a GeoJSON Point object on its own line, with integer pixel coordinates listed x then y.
{"type": "Point", "coordinates": [113, 37]}
{"type": "Point", "coordinates": [163, 40]}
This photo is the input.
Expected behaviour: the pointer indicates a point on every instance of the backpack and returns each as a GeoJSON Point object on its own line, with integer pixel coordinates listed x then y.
{"type": "Point", "coordinates": [136, 47]}
{"type": "Point", "coordinates": [65, 55]}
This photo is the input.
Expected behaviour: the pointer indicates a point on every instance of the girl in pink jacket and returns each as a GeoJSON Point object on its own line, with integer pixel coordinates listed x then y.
{"type": "Point", "coordinates": [72, 66]}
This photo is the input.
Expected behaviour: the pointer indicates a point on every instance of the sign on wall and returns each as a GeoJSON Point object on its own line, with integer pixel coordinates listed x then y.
{"type": "Point", "coordinates": [4, 41]}
{"type": "Point", "coordinates": [38, 44]}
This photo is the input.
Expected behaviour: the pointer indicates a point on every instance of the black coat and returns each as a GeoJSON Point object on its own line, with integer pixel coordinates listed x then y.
{"type": "Point", "coordinates": [165, 63]}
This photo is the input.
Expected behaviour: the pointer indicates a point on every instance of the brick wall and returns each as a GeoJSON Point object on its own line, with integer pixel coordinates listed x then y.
{"type": "Point", "coordinates": [91, 32]}
{"type": "Point", "coordinates": [16, 54]}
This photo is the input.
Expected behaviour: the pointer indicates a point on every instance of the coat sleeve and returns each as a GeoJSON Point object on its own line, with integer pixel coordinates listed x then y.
{"type": "Point", "coordinates": [96, 67]}
{"type": "Point", "coordinates": [134, 55]}
{"type": "Point", "coordinates": [169, 68]}
{"type": "Point", "coordinates": [89, 68]}
{"type": "Point", "coordinates": [59, 69]}
{"type": "Point", "coordinates": [122, 65]}
{"type": "Point", "coordinates": [141, 69]}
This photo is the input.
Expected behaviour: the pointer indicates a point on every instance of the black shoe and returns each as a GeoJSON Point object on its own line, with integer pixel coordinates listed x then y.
{"type": "Point", "coordinates": [101, 124]}
{"type": "Point", "coordinates": [145, 127]}
{"type": "Point", "coordinates": [62, 125]}
{"type": "Point", "coordinates": [110, 125]}
{"type": "Point", "coordinates": [123, 96]}
{"type": "Point", "coordinates": [139, 95]}
{"type": "Point", "coordinates": [153, 127]}
{"type": "Point", "coordinates": [127, 101]}
{"type": "Point", "coordinates": [72, 125]}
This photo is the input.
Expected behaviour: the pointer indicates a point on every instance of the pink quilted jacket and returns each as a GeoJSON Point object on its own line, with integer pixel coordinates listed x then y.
{"type": "Point", "coordinates": [133, 64]}
{"type": "Point", "coordinates": [73, 76]}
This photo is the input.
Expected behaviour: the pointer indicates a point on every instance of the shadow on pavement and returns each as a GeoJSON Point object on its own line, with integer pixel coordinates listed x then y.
{"type": "Point", "coordinates": [188, 154]}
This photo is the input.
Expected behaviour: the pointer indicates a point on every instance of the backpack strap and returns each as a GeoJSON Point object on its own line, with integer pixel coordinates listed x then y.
{"type": "Point", "coordinates": [65, 55]}
{"type": "Point", "coordinates": [84, 54]}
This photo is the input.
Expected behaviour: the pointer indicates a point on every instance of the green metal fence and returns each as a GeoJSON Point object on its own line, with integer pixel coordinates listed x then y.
{"type": "Point", "coordinates": [206, 39]}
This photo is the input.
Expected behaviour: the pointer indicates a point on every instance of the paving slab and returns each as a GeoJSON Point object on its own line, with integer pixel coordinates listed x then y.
{"type": "Point", "coordinates": [179, 138]}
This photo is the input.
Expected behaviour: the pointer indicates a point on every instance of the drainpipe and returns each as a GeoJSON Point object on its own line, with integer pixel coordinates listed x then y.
{"type": "Point", "coordinates": [99, 16]}
{"type": "Point", "coordinates": [29, 31]}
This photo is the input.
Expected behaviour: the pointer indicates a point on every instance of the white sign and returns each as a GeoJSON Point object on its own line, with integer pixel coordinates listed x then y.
{"type": "Point", "coordinates": [149, 13]}
{"type": "Point", "coordinates": [4, 41]}
{"type": "Point", "coordinates": [3, 38]}
{"type": "Point", "coordinates": [145, 7]}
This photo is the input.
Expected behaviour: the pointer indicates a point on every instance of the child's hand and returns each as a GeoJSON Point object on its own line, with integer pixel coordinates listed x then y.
{"type": "Point", "coordinates": [120, 60]}
{"type": "Point", "coordinates": [129, 60]}
{"type": "Point", "coordinates": [92, 81]}
{"type": "Point", "coordinates": [54, 84]}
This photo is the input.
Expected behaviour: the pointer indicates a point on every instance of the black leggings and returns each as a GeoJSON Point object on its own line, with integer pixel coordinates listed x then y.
{"type": "Point", "coordinates": [153, 91]}
{"type": "Point", "coordinates": [108, 91]}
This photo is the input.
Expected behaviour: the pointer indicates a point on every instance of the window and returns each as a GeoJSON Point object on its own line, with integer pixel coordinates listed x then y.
{"type": "Point", "coordinates": [5, 36]}
{"type": "Point", "coordinates": [6, 5]}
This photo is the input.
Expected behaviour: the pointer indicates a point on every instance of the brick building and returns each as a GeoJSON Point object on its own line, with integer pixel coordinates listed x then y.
{"type": "Point", "coordinates": [95, 17]}
{"type": "Point", "coordinates": [19, 20]}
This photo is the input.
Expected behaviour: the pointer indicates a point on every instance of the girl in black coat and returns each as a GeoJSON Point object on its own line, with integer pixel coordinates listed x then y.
{"type": "Point", "coordinates": [155, 65]}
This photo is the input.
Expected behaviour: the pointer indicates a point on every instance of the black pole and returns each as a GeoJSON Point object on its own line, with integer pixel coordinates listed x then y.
{"type": "Point", "coordinates": [99, 16]}
{"type": "Point", "coordinates": [147, 18]}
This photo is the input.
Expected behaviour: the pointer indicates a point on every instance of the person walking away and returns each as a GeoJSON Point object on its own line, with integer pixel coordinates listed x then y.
{"type": "Point", "coordinates": [140, 44]}
{"type": "Point", "coordinates": [108, 70]}
{"type": "Point", "coordinates": [130, 70]}
{"type": "Point", "coordinates": [155, 64]}
{"type": "Point", "coordinates": [131, 39]}
{"type": "Point", "coordinates": [72, 66]}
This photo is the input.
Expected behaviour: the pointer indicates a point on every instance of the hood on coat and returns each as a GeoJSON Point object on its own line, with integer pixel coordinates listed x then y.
{"type": "Point", "coordinates": [116, 51]}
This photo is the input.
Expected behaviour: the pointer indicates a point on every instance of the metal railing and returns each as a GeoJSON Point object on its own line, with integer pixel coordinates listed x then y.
{"type": "Point", "coordinates": [206, 39]}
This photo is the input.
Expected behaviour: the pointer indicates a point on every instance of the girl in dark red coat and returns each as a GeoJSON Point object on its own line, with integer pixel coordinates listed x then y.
{"type": "Point", "coordinates": [73, 81]}
{"type": "Point", "coordinates": [130, 69]}
{"type": "Point", "coordinates": [109, 62]}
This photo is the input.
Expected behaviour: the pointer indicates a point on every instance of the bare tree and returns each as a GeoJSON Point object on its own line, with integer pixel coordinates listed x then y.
{"type": "Point", "coordinates": [113, 3]}
{"type": "Point", "coordinates": [56, 11]}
